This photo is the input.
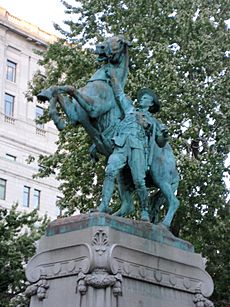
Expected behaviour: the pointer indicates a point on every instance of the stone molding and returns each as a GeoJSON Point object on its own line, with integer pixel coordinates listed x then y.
{"type": "Point", "coordinates": [61, 267]}
{"type": "Point", "coordinates": [155, 272]}
{"type": "Point", "coordinates": [32, 30]}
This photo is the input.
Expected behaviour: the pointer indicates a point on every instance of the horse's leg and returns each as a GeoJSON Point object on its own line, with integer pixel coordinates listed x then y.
{"type": "Point", "coordinates": [173, 202]}
{"type": "Point", "coordinates": [125, 191]}
{"type": "Point", "coordinates": [68, 106]}
{"type": "Point", "coordinates": [51, 94]}
{"type": "Point", "coordinates": [107, 192]}
{"type": "Point", "coordinates": [115, 163]}
{"type": "Point", "coordinates": [58, 121]}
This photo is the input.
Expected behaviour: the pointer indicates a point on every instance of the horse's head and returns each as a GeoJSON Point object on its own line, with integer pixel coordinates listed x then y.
{"type": "Point", "coordinates": [111, 49]}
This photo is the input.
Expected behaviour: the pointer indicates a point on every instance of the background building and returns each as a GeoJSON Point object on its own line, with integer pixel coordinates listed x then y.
{"type": "Point", "coordinates": [20, 136]}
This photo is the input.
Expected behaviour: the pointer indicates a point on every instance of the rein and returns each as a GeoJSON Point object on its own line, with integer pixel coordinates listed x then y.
{"type": "Point", "coordinates": [99, 79]}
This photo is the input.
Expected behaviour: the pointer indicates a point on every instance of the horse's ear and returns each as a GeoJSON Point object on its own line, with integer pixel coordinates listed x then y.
{"type": "Point", "coordinates": [128, 43]}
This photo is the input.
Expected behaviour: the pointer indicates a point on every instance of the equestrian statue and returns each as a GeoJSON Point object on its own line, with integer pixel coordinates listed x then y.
{"type": "Point", "coordinates": [134, 142]}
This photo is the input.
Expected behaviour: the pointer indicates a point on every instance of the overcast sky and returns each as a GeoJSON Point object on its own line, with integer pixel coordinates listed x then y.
{"type": "Point", "coordinates": [38, 12]}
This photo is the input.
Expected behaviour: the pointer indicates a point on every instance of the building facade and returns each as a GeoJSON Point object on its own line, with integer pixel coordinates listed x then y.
{"type": "Point", "coordinates": [20, 136]}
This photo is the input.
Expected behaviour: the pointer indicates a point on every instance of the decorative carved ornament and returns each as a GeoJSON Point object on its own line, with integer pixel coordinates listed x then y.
{"type": "Point", "coordinates": [201, 301]}
{"type": "Point", "coordinates": [99, 279]}
{"type": "Point", "coordinates": [40, 289]}
{"type": "Point", "coordinates": [100, 241]}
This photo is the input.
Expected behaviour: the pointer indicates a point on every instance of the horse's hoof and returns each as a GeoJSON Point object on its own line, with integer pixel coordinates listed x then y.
{"type": "Point", "coordinates": [104, 209]}
{"type": "Point", "coordinates": [164, 225]}
{"type": "Point", "coordinates": [118, 213]}
{"type": "Point", "coordinates": [124, 212]}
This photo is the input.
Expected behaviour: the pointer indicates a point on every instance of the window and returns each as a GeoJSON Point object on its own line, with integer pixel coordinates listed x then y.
{"type": "Point", "coordinates": [37, 196]}
{"type": "Point", "coordinates": [10, 157]}
{"type": "Point", "coordinates": [2, 189]}
{"type": "Point", "coordinates": [26, 196]}
{"type": "Point", "coordinates": [11, 71]}
{"type": "Point", "coordinates": [58, 209]}
{"type": "Point", "coordinates": [9, 105]}
{"type": "Point", "coordinates": [39, 113]}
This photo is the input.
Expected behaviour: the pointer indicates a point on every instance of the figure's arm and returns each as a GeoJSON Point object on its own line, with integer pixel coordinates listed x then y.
{"type": "Point", "coordinates": [158, 131]}
{"type": "Point", "coordinates": [116, 86]}
{"type": "Point", "coordinates": [93, 153]}
{"type": "Point", "coordinates": [124, 102]}
{"type": "Point", "coordinates": [161, 135]}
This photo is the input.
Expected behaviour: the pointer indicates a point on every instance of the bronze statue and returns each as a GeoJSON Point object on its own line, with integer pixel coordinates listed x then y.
{"type": "Point", "coordinates": [117, 129]}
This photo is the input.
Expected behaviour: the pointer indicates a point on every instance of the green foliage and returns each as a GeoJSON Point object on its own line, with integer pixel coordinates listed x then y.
{"type": "Point", "coordinates": [180, 51]}
{"type": "Point", "coordinates": [18, 234]}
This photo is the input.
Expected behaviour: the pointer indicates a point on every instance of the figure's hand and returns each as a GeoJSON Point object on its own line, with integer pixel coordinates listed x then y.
{"type": "Point", "coordinates": [70, 90]}
{"type": "Point", "coordinates": [65, 89]}
{"type": "Point", "coordinates": [93, 153]}
{"type": "Point", "coordinates": [164, 131]}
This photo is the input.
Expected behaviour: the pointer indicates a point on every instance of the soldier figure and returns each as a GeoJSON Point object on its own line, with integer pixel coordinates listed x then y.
{"type": "Point", "coordinates": [131, 143]}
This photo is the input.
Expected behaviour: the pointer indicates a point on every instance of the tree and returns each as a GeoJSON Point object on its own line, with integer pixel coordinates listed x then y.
{"type": "Point", "coordinates": [181, 50]}
{"type": "Point", "coordinates": [18, 233]}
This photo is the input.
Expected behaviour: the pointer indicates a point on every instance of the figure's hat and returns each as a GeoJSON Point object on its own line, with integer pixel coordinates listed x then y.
{"type": "Point", "coordinates": [156, 106]}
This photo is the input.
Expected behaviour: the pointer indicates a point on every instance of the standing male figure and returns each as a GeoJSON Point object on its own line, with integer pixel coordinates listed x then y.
{"type": "Point", "coordinates": [131, 143]}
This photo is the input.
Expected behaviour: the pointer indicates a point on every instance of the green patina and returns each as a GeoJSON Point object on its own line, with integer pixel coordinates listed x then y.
{"type": "Point", "coordinates": [132, 139]}
{"type": "Point", "coordinates": [157, 233]}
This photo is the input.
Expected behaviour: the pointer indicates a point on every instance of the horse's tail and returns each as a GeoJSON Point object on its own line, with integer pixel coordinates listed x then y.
{"type": "Point", "coordinates": [156, 201]}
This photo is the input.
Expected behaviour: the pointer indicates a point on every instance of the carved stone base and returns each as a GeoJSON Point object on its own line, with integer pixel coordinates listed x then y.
{"type": "Point", "coordinates": [97, 260]}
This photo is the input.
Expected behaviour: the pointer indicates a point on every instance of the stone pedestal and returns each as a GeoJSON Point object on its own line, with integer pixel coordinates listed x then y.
{"type": "Point", "coordinates": [96, 260]}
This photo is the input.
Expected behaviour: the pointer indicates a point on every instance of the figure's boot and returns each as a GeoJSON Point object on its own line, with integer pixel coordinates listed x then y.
{"type": "Point", "coordinates": [144, 199]}
{"type": "Point", "coordinates": [107, 192]}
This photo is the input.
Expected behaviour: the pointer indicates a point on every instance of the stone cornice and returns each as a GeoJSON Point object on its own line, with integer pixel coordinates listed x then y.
{"type": "Point", "coordinates": [157, 233]}
{"type": "Point", "coordinates": [29, 31]}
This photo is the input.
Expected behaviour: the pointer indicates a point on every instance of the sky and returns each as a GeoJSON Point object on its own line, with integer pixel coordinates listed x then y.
{"type": "Point", "coordinates": [41, 13]}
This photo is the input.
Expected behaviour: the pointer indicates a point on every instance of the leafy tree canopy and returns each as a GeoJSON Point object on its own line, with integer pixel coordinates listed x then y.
{"type": "Point", "coordinates": [181, 50]}
{"type": "Point", "coordinates": [18, 233]}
